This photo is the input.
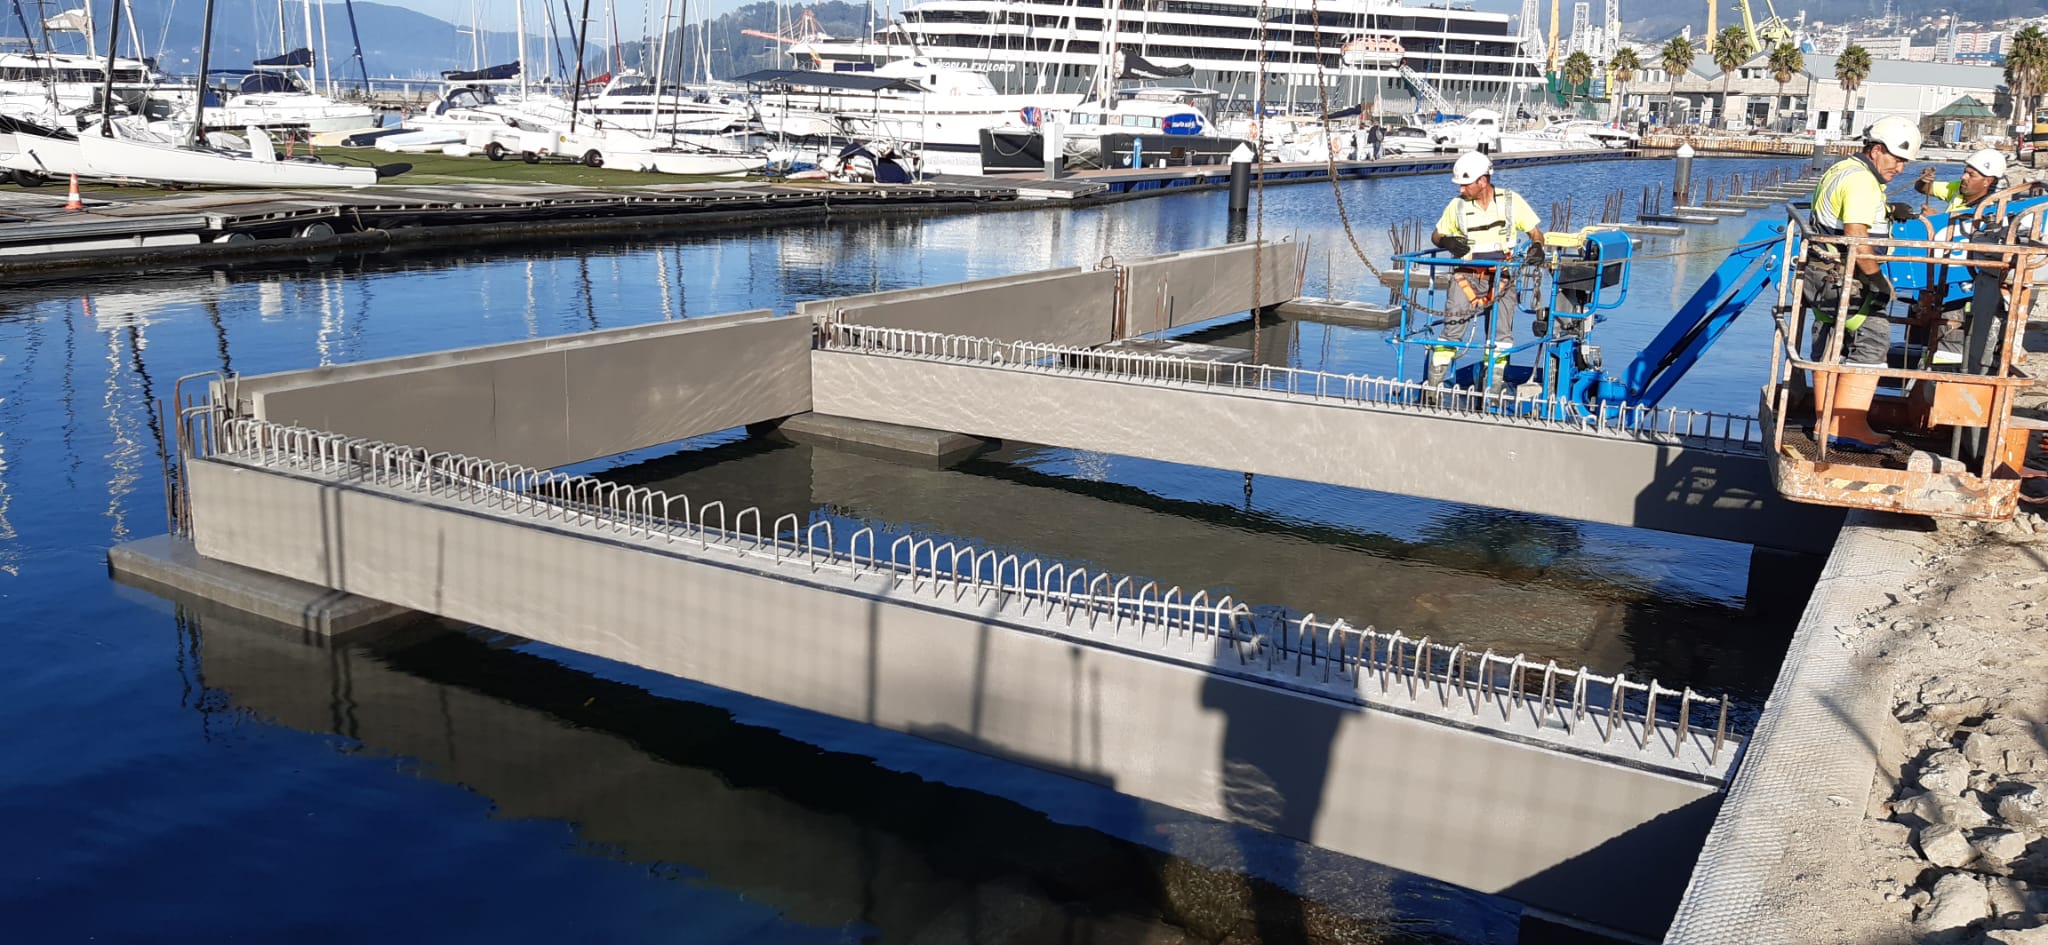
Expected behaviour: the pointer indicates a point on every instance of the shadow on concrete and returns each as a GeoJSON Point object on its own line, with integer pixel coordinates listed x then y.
{"type": "Point", "coordinates": [1275, 768]}
{"type": "Point", "coordinates": [1645, 871]}
{"type": "Point", "coordinates": [1741, 488]}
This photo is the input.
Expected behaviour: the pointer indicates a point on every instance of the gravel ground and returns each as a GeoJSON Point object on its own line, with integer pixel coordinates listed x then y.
{"type": "Point", "coordinates": [1953, 847]}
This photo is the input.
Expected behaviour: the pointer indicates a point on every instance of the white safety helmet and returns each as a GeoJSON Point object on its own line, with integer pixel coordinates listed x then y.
{"type": "Point", "coordinates": [1471, 166]}
{"type": "Point", "coordinates": [1898, 135]}
{"type": "Point", "coordinates": [1989, 162]}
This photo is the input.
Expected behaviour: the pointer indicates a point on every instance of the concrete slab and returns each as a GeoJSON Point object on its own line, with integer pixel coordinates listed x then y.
{"type": "Point", "coordinates": [1649, 229]}
{"type": "Point", "coordinates": [1707, 211]}
{"type": "Point", "coordinates": [170, 566]}
{"type": "Point", "coordinates": [1678, 218]}
{"type": "Point", "coordinates": [1808, 769]}
{"type": "Point", "coordinates": [1340, 312]}
{"type": "Point", "coordinates": [872, 437]}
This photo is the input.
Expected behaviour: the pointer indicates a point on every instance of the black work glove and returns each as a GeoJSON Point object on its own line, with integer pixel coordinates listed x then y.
{"type": "Point", "coordinates": [1900, 212]}
{"type": "Point", "coordinates": [1875, 288]}
{"type": "Point", "coordinates": [1455, 245]}
{"type": "Point", "coordinates": [1535, 256]}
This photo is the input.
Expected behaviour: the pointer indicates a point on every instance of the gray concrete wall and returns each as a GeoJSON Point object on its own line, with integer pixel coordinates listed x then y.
{"type": "Point", "coordinates": [1548, 827]}
{"type": "Point", "coordinates": [819, 310]}
{"type": "Point", "coordinates": [1530, 469]}
{"type": "Point", "coordinates": [1178, 289]}
{"type": "Point", "coordinates": [1063, 307]}
{"type": "Point", "coordinates": [552, 402]}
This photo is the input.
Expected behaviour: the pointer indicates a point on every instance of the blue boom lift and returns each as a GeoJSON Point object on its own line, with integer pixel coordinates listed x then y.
{"type": "Point", "coordinates": [1968, 451]}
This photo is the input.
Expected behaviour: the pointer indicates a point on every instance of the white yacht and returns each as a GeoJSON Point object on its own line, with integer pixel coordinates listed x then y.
{"type": "Point", "coordinates": [1148, 126]}
{"type": "Point", "coordinates": [73, 81]}
{"type": "Point", "coordinates": [275, 97]}
{"type": "Point", "coordinates": [917, 101]}
{"type": "Point", "coordinates": [1361, 45]}
{"type": "Point", "coordinates": [629, 101]}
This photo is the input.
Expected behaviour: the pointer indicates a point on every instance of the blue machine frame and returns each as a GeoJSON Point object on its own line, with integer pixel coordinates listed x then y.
{"type": "Point", "coordinates": [1567, 365]}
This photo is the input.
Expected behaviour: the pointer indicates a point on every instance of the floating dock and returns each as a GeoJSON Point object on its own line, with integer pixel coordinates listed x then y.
{"type": "Point", "coordinates": [37, 233]}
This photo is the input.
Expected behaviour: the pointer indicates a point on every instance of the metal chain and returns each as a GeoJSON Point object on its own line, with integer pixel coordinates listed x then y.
{"type": "Point", "coordinates": [1336, 188]}
{"type": "Point", "coordinates": [1259, 221]}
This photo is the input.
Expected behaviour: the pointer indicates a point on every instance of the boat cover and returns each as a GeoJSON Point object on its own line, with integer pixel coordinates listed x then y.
{"type": "Point", "coordinates": [509, 70]}
{"type": "Point", "coordinates": [296, 59]}
{"type": "Point", "coordinates": [1138, 67]}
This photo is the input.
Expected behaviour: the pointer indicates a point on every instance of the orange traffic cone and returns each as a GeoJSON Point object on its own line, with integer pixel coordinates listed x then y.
{"type": "Point", "coordinates": [72, 202]}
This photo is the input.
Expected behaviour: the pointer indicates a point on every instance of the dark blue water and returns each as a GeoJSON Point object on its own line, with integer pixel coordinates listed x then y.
{"type": "Point", "coordinates": [177, 775]}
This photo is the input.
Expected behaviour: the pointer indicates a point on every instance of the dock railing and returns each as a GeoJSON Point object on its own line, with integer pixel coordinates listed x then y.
{"type": "Point", "coordinates": [1722, 431]}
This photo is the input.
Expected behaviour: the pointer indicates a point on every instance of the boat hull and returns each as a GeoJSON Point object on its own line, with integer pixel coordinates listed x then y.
{"type": "Point", "coordinates": [144, 160]}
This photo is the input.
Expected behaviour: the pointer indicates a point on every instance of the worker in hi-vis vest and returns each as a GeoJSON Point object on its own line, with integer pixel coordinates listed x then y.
{"type": "Point", "coordinates": [1481, 222]}
{"type": "Point", "coordinates": [1981, 173]}
{"type": "Point", "coordinates": [1850, 201]}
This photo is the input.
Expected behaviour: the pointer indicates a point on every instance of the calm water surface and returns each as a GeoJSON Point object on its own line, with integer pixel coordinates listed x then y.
{"type": "Point", "coordinates": [179, 775]}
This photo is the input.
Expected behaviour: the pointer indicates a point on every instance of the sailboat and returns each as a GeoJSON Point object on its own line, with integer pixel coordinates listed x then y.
{"type": "Point", "coordinates": [275, 96]}
{"type": "Point", "coordinates": [113, 151]}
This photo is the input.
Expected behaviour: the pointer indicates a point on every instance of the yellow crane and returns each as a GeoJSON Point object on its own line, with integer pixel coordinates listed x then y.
{"type": "Point", "coordinates": [1763, 37]}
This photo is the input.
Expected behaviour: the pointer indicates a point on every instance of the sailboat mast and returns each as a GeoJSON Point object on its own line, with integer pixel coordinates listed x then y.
{"type": "Point", "coordinates": [326, 65]}
{"type": "Point", "coordinates": [205, 57]}
{"type": "Point", "coordinates": [575, 92]}
{"type": "Point", "coordinates": [107, 92]}
{"type": "Point", "coordinates": [660, 72]}
{"type": "Point", "coordinates": [306, 10]}
{"type": "Point", "coordinates": [134, 35]}
{"type": "Point", "coordinates": [519, 38]}
{"type": "Point", "coordinates": [26, 36]}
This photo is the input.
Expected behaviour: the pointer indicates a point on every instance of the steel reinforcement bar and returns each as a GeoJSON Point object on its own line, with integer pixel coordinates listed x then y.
{"type": "Point", "coordinates": [1332, 658]}
{"type": "Point", "coordinates": [1719, 431]}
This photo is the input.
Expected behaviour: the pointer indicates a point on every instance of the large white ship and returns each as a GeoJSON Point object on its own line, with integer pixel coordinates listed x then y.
{"type": "Point", "coordinates": [1058, 45]}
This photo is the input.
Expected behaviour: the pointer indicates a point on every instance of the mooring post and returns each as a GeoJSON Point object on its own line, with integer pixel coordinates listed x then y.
{"type": "Point", "coordinates": [1681, 188]}
{"type": "Point", "coordinates": [1241, 178]}
{"type": "Point", "coordinates": [1050, 140]}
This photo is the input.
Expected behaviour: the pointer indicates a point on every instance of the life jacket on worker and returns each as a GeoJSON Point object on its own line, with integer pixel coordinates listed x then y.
{"type": "Point", "coordinates": [1491, 230]}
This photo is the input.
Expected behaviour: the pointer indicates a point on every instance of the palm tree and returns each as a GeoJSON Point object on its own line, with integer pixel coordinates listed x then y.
{"type": "Point", "coordinates": [1731, 48]}
{"type": "Point", "coordinates": [1676, 57]}
{"type": "Point", "coordinates": [1851, 68]}
{"type": "Point", "coordinates": [2026, 64]}
{"type": "Point", "coordinates": [1578, 71]}
{"type": "Point", "coordinates": [1623, 67]}
{"type": "Point", "coordinates": [1786, 62]}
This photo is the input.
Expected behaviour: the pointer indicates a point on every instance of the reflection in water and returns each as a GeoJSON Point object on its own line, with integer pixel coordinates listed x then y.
{"type": "Point", "coordinates": [124, 456]}
{"type": "Point", "coordinates": [112, 778]}
{"type": "Point", "coordinates": [825, 839]}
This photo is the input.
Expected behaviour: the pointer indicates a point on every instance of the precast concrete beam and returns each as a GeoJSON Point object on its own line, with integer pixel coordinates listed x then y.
{"type": "Point", "coordinates": [554, 402]}
{"type": "Point", "coordinates": [1664, 486]}
{"type": "Point", "coordinates": [1570, 820]}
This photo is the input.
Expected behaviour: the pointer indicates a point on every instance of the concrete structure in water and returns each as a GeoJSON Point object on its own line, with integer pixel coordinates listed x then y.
{"type": "Point", "coordinates": [421, 482]}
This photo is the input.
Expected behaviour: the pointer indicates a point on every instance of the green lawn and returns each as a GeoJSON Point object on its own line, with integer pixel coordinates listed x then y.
{"type": "Point", "coordinates": [442, 169]}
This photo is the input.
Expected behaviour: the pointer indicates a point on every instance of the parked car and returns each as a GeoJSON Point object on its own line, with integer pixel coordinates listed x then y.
{"type": "Point", "coordinates": [1407, 139]}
